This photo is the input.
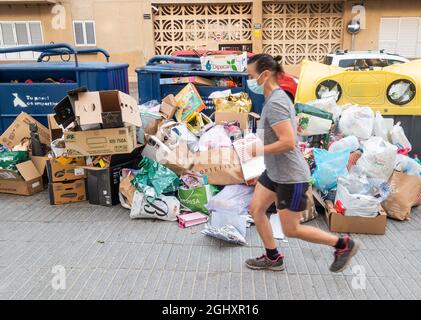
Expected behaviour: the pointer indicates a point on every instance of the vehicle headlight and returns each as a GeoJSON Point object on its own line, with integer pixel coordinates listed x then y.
{"type": "Point", "coordinates": [401, 92]}
{"type": "Point", "coordinates": [329, 88]}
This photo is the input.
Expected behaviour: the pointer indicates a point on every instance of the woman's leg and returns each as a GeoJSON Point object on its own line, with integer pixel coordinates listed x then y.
{"type": "Point", "coordinates": [292, 227]}
{"type": "Point", "coordinates": [263, 198]}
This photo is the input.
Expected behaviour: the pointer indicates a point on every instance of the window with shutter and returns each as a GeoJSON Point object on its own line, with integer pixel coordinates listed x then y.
{"type": "Point", "coordinates": [8, 34]}
{"type": "Point", "coordinates": [84, 33]}
{"type": "Point", "coordinates": [36, 32]}
{"type": "Point", "coordinates": [20, 33]}
{"type": "Point", "coordinates": [79, 34]}
{"type": "Point", "coordinates": [90, 33]}
{"type": "Point", "coordinates": [401, 36]}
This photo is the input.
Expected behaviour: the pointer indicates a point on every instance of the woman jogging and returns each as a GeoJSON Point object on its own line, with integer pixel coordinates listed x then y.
{"type": "Point", "coordinates": [287, 176]}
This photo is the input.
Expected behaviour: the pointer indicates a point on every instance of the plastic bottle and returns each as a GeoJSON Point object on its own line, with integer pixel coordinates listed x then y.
{"type": "Point", "coordinates": [350, 142]}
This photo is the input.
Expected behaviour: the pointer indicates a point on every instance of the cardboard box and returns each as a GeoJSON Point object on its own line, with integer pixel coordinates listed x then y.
{"type": "Point", "coordinates": [65, 109]}
{"type": "Point", "coordinates": [67, 192]}
{"type": "Point", "coordinates": [247, 120]}
{"type": "Point", "coordinates": [183, 80]}
{"type": "Point", "coordinates": [103, 184]}
{"type": "Point", "coordinates": [100, 142]}
{"type": "Point", "coordinates": [19, 130]}
{"type": "Point", "coordinates": [56, 132]}
{"type": "Point", "coordinates": [111, 109]}
{"type": "Point", "coordinates": [188, 100]}
{"type": "Point", "coordinates": [58, 172]}
{"type": "Point", "coordinates": [353, 224]}
{"type": "Point", "coordinates": [225, 63]}
{"type": "Point", "coordinates": [27, 182]}
{"type": "Point", "coordinates": [168, 107]}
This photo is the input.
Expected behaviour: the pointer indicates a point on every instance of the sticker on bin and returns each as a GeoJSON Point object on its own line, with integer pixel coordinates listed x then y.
{"type": "Point", "coordinates": [79, 172]}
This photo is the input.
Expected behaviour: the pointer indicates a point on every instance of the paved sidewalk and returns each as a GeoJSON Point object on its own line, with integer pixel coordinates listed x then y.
{"type": "Point", "coordinates": [108, 256]}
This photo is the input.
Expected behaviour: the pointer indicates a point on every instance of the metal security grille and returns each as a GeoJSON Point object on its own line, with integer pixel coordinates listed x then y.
{"type": "Point", "coordinates": [185, 27]}
{"type": "Point", "coordinates": [298, 31]}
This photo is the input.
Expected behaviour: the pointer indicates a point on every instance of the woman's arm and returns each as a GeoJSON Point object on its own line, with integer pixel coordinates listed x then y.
{"type": "Point", "coordinates": [286, 138]}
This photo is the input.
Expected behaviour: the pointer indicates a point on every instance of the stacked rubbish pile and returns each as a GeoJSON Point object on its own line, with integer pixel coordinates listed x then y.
{"type": "Point", "coordinates": [195, 168]}
{"type": "Point", "coordinates": [360, 161]}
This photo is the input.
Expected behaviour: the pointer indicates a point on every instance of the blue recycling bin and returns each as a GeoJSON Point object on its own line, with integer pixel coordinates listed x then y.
{"type": "Point", "coordinates": [150, 87]}
{"type": "Point", "coordinates": [37, 87]}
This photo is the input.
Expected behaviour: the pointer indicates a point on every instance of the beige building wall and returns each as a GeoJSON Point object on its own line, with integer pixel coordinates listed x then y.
{"type": "Point", "coordinates": [368, 39]}
{"type": "Point", "coordinates": [122, 29]}
{"type": "Point", "coordinates": [120, 26]}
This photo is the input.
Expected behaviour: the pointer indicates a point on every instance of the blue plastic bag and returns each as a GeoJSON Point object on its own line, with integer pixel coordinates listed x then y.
{"type": "Point", "coordinates": [329, 166]}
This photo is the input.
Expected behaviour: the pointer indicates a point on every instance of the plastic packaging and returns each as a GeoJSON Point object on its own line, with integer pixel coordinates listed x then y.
{"type": "Point", "coordinates": [154, 179]}
{"type": "Point", "coordinates": [328, 104]}
{"type": "Point", "coordinates": [329, 166]}
{"type": "Point", "coordinates": [227, 226]}
{"type": "Point", "coordinates": [215, 138]}
{"type": "Point", "coordinates": [9, 159]}
{"type": "Point", "coordinates": [351, 143]}
{"type": "Point", "coordinates": [357, 121]}
{"type": "Point", "coordinates": [378, 158]}
{"type": "Point", "coordinates": [407, 165]}
{"type": "Point", "coordinates": [380, 129]}
{"type": "Point", "coordinates": [309, 125]}
{"type": "Point", "coordinates": [163, 207]}
{"type": "Point", "coordinates": [399, 138]}
{"type": "Point", "coordinates": [233, 198]}
{"type": "Point", "coordinates": [359, 195]}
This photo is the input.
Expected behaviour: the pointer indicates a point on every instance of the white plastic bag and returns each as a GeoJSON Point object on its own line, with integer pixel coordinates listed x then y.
{"type": "Point", "coordinates": [233, 198]}
{"type": "Point", "coordinates": [357, 121]}
{"type": "Point", "coordinates": [356, 204]}
{"type": "Point", "coordinates": [309, 125]}
{"type": "Point", "coordinates": [328, 104]}
{"type": "Point", "coordinates": [380, 128]}
{"type": "Point", "coordinates": [378, 158]}
{"type": "Point", "coordinates": [214, 138]}
{"type": "Point", "coordinates": [407, 165]}
{"type": "Point", "coordinates": [399, 138]}
{"type": "Point", "coordinates": [163, 207]}
{"type": "Point", "coordinates": [227, 226]}
{"type": "Point", "coordinates": [351, 143]}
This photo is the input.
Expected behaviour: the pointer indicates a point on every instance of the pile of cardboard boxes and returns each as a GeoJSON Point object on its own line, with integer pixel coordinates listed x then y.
{"type": "Point", "coordinates": [92, 136]}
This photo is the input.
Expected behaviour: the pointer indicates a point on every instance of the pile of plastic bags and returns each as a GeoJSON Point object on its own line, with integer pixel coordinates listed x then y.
{"type": "Point", "coordinates": [362, 162]}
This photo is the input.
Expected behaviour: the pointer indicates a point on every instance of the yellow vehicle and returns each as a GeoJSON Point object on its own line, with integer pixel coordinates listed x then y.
{"type": "Point", "coordinates": [391, 90]}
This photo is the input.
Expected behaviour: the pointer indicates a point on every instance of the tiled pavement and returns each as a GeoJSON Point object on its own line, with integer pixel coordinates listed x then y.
{"type": "Point", "coordinates": [108, 256]}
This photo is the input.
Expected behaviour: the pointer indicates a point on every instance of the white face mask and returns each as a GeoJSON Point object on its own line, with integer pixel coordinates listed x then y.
{"type": "Point", "coordinates": [254, 86]}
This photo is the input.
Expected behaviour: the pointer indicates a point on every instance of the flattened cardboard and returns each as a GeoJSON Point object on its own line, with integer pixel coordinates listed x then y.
{"type": "Point", "coordinates": [19, 130]}
{"type": "Point", "coordinates": [56, 132]}
{"type": "Point", "coordinates": [40, 163]}
{"type": "Point", "coordinates": [352, 224]}
{"type": "Point", "coordinates": [168, 107]}
{"type": "Point", "coordinates": [58, 172]}
{"type": "Point", "coordinates": [28, 170]}
{"type": "Point", "coordinates": [247, 120]}
{"type": "Point", "coordinates": [67, 192]}
{"type": "Point", "coordinates": [100, 142]}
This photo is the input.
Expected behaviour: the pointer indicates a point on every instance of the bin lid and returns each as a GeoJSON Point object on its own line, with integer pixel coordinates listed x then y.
{"type": "Point", "coordinates": [59, 65]}
{"type": "Point", "coordinates": [170, 69]}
